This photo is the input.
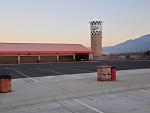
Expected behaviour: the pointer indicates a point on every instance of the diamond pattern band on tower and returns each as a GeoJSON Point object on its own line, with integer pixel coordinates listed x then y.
{"type": "Point", "coordinates": [96, 23]}
{"type": "Point", "coordinates": [96, 32]}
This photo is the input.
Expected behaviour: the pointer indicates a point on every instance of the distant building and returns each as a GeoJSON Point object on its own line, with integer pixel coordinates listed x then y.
{"type": "Point", "coordinates": [13, 53]}
{"type": "Point", "coordinates": [125, 56]}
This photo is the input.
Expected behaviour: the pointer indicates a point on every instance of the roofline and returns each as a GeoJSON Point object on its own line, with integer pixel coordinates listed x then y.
{"type": "Point", "coordinates": [38, 43]}
{"type": "Point", "coordinates": [42, 52]}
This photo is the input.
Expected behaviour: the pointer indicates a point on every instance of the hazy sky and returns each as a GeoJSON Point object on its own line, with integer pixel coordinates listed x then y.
{"type": "Point", "coordinates": [67, 21]}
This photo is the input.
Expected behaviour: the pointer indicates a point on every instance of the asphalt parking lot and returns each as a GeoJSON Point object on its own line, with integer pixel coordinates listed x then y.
{"type": "Point", "coordinates": [53, 69]}
{"type": "Point", "coordinates": [80, 93]}
{"type": "Point", "coordinates": [136, 101]}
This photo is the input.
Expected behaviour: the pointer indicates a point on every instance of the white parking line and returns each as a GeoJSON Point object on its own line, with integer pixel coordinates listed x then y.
{"type": "Point", "coordinates": [51, 71]}
{"type": "Point", "coordinates": [80, 69]}
{"type": "Point", "coordinates": [25, 75]}
{"type": "Point", "coordinates": [92, 108]}
{"type": "Point", "coordinates": [145, 91]}
{"type": "Point", "coordinates": [75, 69]}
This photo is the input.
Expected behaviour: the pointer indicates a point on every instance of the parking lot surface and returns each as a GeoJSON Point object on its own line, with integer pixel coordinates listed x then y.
{"type": "Point", "coordinates": [137, 101]}
{"type": "Point", "coordinates": [79, 93]}
{"type": "Point", "coordinates": [66, 68]}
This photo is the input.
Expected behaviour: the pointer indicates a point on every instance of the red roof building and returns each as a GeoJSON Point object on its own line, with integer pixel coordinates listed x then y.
{"type": "Point", "coordinates": [41, 48]}
{"type": "Point", "coordinates": [43, 52]}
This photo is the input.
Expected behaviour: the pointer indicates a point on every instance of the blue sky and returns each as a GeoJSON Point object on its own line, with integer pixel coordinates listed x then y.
{"type": "Point", "coordinates": [67, 21]}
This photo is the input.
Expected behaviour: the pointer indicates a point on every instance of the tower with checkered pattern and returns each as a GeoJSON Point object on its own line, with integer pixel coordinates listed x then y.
{"type": "Point", "coordinates": [96, 38]}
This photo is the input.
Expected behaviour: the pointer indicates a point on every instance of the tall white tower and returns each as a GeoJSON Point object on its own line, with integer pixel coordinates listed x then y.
{"type": "Point", "coordinates": [96, 38]}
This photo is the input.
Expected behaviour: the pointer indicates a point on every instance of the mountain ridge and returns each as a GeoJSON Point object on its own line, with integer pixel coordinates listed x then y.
{"type": "Point", "coordinates": [140, 44]}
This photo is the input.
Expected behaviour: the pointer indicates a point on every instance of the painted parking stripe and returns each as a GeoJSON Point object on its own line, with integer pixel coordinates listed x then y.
{"type": "Point", "coordinates": [86, 105]}
{"type": "Point", "coordinates": [51, 71]}
{"type": "Point", "coordinates": [75, 69]}
{"type": "Point", "coordinates": [80, 69]}
{"type": "Point", "coordinates": [25, 75]}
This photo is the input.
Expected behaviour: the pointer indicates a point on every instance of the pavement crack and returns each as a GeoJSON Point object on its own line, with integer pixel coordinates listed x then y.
{"type": "Point", "coordinates": [61, 88]}
{"type": "Point", "coordinates": [64, 106]}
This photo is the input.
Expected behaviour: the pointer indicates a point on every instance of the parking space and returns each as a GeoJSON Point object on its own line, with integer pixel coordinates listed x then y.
{"type": "Point", "coordinates": [53, 69]}
{"type": "Point", "coordinates": [76, 93]}
{"type": "Point", "coordinates": [135, 101]}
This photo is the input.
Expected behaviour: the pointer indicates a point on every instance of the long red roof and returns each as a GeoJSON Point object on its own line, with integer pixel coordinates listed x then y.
{"type": "Point", "coordinates": [42, 48]}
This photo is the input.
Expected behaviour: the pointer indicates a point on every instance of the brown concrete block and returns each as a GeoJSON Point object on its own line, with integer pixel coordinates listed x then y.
{"type": "Point", "coordinates": [104, 73]}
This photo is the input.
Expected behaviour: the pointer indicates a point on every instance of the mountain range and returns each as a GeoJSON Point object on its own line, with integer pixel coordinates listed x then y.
{"type": "Point", "coordinates": [140, 44]}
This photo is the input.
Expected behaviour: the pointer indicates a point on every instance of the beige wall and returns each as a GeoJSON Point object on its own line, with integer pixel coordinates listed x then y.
{"type": "Point", "coordinates": [96, 46]}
